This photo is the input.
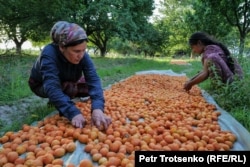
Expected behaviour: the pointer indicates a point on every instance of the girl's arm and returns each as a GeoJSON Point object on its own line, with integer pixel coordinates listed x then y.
{"type": "Point", "coordinates": [200, 77]}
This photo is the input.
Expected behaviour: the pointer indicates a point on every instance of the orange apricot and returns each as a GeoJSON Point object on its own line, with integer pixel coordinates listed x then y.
{"type": "Point", "coordinates": [12, 156]}
{"type": "Point", "coordinates": [96, 157]}
{"type": "Point", "coordinates": [85, 163]}
{"type": "Point", "coordinates": [70, 147]}
{"type": "Point", "coordinates": [48, 158]}
{"type": "Point", "coordinates": [88, 147]}
{"type": "Point", "coordinates": [82, 138]}
{"type": "Point", "coordinates": [59, 152]}
{"type": "Point", "coordinates": [114, 161]}
{"type": "Point", "coordinates": [57, 161]}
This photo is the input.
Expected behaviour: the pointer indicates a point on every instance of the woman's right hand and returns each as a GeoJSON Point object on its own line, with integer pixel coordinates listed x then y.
{"type": "Point", "coordinates": [187, 86]}
{"type": "Point", "coordinates": [78, 121]}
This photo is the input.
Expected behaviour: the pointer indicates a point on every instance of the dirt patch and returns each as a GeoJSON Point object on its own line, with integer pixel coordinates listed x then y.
{"type": "Point", "coordinates": [9, 114]}
{"type": "Point", "coordinates": [179, 62]}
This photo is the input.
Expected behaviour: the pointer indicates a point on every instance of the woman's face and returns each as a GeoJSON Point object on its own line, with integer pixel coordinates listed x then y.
{"type": "Point", "coordinates": [74, 54]}
{"type": "Point", "coordinates": [197, 48]}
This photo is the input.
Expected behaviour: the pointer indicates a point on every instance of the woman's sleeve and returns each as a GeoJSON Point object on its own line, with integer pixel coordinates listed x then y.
{"type": "Point", "coordinates": [94, 83]}
{"type": "Point", "coordinates": [52, 87]}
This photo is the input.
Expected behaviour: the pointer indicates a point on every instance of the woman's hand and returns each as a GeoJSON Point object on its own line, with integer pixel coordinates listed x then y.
{"type": "Point", "coordinates": [78, 121]}
{"type": "Point", "coordinates": [187, 86]}
{"type": "Point", "coordinates": [100, 120]}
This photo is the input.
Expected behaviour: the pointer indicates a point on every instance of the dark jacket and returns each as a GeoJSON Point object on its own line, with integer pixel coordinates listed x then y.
{"type": "Point", "coordinates": [52, 69]}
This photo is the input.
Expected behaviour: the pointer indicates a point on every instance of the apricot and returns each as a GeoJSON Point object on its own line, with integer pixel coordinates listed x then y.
{"type": "Point", "coordinates": [114, 161]}
{"type": "Point", "coordinates": [88, 147]}
{"type": "Point", "coordinates": [8, 164]}
{"type": "Point", "coordinates": [114, 146]}
{"type": "Point", "coordinates": [57, 162]}
{"type": "Point", "coordinates": [48, 158]}
{"type": "Point", "coordinates": [103, 161]}
{"type": "Point", "coordinates": [4, 139]}
{"type": "Point", "coordinates": [70, 165]}
{"type": "Point", "coordinates": [85, 163]}
{"type": "Point", "coordinates": [104, 151]}
{"type": "Point", "coordinates": [59, 152]}
{"type": "Point", "coordinates": [3, 160]}
{"type": "Point", "coordinates": [20, 149]}
{"type": "Point", "coordinates": [70, 147]}
{"type": "Point", "coordinates": [83, 138]}
{"type": "Point", "coordinates": [55, 142]}
{"type": "Point", "coordinates": [12, 156]}
{"type": "Point", "coordinates": [37, 162]}
{"type": "Point", "coordinates": [96, 157]}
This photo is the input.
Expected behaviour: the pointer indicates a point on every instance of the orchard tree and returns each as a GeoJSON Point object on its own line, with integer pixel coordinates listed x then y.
{"type": "Point", "coordinates": [104, 20]}
{"type": "Point", "coordinates": [28, 19]}
{"type": "Point", "coordinates": [173, 22]}
{"type": "Point", "coordinates": [154, 37]}
{"type": "Point", "coordinates": [220, 17]}
{"type": "Point", "coordinates": [237, 14]}
{"type": "Point", "coordinates": [203, 18]}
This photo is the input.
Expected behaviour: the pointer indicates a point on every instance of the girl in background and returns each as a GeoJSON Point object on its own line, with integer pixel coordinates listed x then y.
{"type": "Point", "coordinates": [218, 64]}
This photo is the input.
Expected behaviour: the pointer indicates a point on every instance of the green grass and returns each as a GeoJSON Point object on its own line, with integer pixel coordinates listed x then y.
{"type": "Point", "coordinates": [15, 71]}
{"type": "Point", "coordinates": [14, 76]}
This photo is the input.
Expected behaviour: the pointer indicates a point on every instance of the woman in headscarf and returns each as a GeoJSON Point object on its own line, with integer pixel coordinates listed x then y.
{"type": "Point", "coordinates": [217, 62]}
{"type": "Point", "coordinates": [64, 70]}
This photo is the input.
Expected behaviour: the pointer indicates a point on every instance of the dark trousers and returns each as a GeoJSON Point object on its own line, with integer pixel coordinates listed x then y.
{"type": "Point", "coordinates": [72, 89]}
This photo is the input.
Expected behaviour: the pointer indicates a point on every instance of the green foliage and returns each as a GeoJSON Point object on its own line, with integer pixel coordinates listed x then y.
{"type": "Point", "coordinates": [102, 20]}
{"type": "Point", "coordinates": [236, 14]}
{"type": "Point", "coordinates": [124, 47]}
{"type": "Point", "coordinates": [28, 19]}
{"type": "Point", "coordinates": [233, 97]}
{"type": "Point", "coordinates": [202, 17]}
{"type": "Point", "coordinates": [176, 29]}
{"type": "Point", "coordinates": [124, 19]}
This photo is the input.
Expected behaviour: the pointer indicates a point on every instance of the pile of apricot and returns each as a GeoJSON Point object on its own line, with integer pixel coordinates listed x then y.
{"type": "Point", "coordinates": [149, 112]}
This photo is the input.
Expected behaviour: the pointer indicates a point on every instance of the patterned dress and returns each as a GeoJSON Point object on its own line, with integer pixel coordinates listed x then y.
{"type": "Point", "coordinates": [218, 68]}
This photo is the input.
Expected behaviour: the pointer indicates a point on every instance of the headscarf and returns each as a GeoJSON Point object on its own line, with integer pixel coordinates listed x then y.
{"type": "Point", "coordinates": [64, 33]}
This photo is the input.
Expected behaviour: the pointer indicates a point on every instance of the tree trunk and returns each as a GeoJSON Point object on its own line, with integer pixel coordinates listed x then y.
{"type": "Point", "coordinates": [242, 45]}
{"type": "Point", "coordinates": [102, 52]}
{"type": "Point", "coordinates": [19, 45]}
{"type": "Point", "coordinates": [18, 48]}
{"type": "Point", "coordinates": [103, 49]}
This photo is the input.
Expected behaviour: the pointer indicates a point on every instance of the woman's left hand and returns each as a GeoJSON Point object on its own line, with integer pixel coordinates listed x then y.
{"type": "Point", "coordinates": [100, 120]}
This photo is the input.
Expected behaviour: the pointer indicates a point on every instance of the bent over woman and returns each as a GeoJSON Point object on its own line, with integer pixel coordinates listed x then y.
{"type": "Point", "coordinates": [217, 62]}
{"type": "Point", "coordinates": [64, 70]}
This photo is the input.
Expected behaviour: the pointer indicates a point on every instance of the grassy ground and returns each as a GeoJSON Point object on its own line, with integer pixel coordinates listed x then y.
{"type": "Point", "coordinates": [14, 71]}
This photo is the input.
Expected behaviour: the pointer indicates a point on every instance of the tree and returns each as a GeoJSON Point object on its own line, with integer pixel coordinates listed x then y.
{"type": "Point", "coordinates": [237, 14]}
{"type": "Point", "coordinates": [204, 18]}
{"type": "Point", "coordinates": [28, 19]}
{"type": "Point", "coordinates": [103, 20]}
{"type": "Point", "coordinates": [173, 22]}
{"type": "Point", "coordinates": [154, 37]}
